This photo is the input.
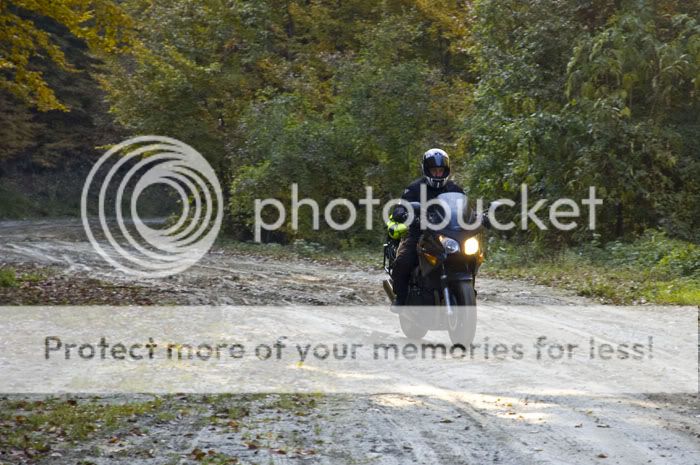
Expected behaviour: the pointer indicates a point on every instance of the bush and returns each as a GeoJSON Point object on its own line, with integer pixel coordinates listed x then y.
{"type": "Point", "coordinates": [8, 277]}
{"type": "Point", "coordinates": [652, 268]}
{"type": "Point", "coordinates": [656, 252]}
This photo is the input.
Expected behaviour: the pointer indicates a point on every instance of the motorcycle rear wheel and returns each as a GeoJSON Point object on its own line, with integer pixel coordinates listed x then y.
{"type": "Point", "coordinates": [462, 325]}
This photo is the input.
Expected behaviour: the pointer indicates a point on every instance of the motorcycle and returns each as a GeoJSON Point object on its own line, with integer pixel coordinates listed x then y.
{"type": "Point", "coordinates": [442, 293]}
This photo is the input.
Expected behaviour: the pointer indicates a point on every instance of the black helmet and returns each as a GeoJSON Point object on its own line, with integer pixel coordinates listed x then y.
{"type": "Point", "coordinates": [436, 158]}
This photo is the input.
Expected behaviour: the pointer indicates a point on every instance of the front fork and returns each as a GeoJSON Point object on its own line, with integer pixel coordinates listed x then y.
{"type": "Point", "coordinates": [444, 285]}
{"type": "Point", "coordinates": [445, 291]}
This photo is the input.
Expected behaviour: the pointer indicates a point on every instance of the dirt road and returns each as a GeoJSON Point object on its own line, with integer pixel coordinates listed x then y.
{"type": "Point", "coordinates": [224, 277]}
{"type": "Point", "coordinates": [445, 427]}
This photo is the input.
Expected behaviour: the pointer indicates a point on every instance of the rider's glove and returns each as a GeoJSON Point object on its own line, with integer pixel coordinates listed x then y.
{"type": "Point", "coordinates": [400, 214]}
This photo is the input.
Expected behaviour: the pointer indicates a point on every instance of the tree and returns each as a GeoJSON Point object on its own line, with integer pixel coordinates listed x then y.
{"type": "Point", "coordinates": [102, 24]}
{"type": "Point", "coordinates": [575, 94]}
{"type": "Point", "coordinates": [633, 87]}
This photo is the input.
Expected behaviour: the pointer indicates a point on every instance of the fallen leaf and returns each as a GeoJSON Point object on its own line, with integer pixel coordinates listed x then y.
{"type": "Point", "coordinates": [197, 454]}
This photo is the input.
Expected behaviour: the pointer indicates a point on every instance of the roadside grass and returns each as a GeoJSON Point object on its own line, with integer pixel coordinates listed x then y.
{"type": "Point", "coordinates": [31, 426]}
{"type": "Point", "coordinates": [651, 269]}
{"type": "Point", "coordinates": [300, 404]}
{"type": "Point", "coordinates": [246, 424]}
{"type": "Point", "coordinates": [9, 277]}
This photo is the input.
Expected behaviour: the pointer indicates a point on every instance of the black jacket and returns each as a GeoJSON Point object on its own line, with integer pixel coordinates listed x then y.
{"type": "Point", "coordinates": [412, 194]}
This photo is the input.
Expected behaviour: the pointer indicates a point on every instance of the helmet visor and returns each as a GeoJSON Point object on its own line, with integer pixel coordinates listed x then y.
{"type": "Point", "coordinates": [437, 172]}
{"type": "Point", "coordinates": [436, 166]}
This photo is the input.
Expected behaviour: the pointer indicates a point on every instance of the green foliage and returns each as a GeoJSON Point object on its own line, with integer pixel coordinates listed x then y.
{"type": "Point", "coordinates": [8, 277]}
{"type": "Point", "coordinates": [636, 84]}
{"type": "Point", "coordinates": [333, 96]}
{"type": "Point", "coordinates": [652, 268]}
{"type": "Point", "coordinates": [273, 93]}
{"type": "Point", "coordinates": [370, 136]}
{"type": "Point", "coordinates": [575, 96]}
{"type": "Point", "coordinates": [35, 426]}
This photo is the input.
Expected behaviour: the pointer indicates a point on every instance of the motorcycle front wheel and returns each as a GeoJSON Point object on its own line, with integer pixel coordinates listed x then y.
{"type": "Point", "coordinates": [462, 324]}
{"type": "Point", "coordinates": [410, 327]}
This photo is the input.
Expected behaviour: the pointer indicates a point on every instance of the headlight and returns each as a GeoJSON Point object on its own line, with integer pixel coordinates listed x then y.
{"type": "Point", "coordinates": [450, 245]}
{"type": "Point", "coordinates": [471, 246]}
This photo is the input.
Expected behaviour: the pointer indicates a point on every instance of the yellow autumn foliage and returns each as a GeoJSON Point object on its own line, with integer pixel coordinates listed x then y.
{"type": "Point", "coordinates": [102, 24]}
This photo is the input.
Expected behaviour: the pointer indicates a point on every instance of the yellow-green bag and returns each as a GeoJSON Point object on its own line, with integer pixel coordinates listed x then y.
{"type": "Point", "coordinates": [396, 230]}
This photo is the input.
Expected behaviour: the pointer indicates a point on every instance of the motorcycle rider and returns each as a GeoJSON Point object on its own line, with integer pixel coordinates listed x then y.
{"type": "Point", "coordinates": [436, 171]}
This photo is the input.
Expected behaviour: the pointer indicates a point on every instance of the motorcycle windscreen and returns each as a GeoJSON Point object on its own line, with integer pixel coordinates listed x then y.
{"type": "Point", "coordinates": [457, 214]}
